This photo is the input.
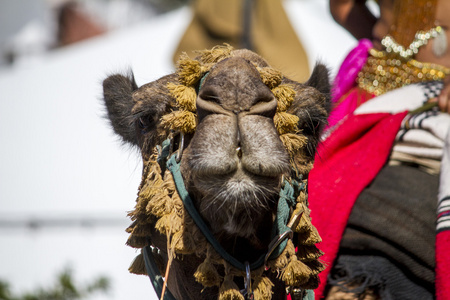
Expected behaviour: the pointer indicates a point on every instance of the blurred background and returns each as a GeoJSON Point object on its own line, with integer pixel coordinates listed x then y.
{"type": "Point", "coordinates": [66, 182]}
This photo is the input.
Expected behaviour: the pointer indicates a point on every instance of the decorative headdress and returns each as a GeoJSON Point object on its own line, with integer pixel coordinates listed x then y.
{"type": "Point", "coordinates": [161, 203]}
{"type": "Point", "coordinates": [413, 26]}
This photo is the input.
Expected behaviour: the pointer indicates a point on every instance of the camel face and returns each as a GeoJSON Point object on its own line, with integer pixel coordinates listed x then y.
{"type": "Point", "coordinates": [242, 133]}
{"type": "Point", "coordinates": [234, 160]}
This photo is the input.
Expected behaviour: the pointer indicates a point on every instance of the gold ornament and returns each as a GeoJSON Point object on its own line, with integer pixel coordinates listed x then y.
{"type": "Point", "coordinates": [421, 39]}
{"type": "Point", "coordinates": [385, 71]}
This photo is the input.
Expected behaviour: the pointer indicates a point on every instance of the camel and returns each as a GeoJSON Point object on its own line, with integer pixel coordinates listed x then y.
{"type": "Point", "coordinates": [227, 143]}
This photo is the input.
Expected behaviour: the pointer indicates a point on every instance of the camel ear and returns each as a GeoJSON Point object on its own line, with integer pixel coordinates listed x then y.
{"type": "Point", "coordinates": [117, 95]}
{"type": "Point", "coordinates": [320, 80]}
{"type": "Point", "coordinates": [312, 106]}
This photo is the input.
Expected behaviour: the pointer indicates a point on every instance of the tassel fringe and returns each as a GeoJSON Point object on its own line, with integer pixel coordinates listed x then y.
{"type": "Point", "coordinates": [188, 70]}
{"type": "Point", "coordinates": [285, 122]}
{"type": "Point", "coordinates": [216, 54]}
{"type": "Point", "coordinates": [263, 288]}
{"type": "Point", "coordinates": [296, 273]}
{"type": "Point", "coordinates": [138, 265]}
{"type": "Point", "coordinates": [207, 273]}
{"type": "Point", "coordinates": [285, 95]}
{"type": "Point", "coordinates": [229, 290]}
{"type": "Point", "coordinates": [293, 142]}
{"type": "Point", "coordinates": [184, 95]}
{"type": "Point", "coordinates": [180, 121]}
{"type": "Point", "coordinates": [271, 77]}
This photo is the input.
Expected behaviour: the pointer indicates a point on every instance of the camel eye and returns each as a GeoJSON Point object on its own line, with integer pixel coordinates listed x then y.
{"type": "Point", "coordinates": [145, 123]}
{"type": "Point", "coordinates": [141, 123]}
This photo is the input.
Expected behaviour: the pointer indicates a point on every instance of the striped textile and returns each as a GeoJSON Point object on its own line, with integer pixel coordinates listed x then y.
{"type": "Point", "coordinates": [443, 218]}
{"type": "Point", "coordinates": [443, 210]}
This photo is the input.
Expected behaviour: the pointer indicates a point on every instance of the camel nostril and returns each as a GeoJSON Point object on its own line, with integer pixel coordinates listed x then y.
{"type": "Point", "coordinates": [239, 152]}
{"type": "Point", "coordinates": [238, 147]}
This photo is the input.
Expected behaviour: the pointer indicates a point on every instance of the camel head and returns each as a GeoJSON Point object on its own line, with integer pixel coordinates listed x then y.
{"type": "Point", "coordinates": [239, 129]}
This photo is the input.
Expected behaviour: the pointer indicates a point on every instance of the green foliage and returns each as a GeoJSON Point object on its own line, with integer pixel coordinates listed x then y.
{"type": "Point", "coordinates": [4, 291]}
{"type": "Point", "coordinates": [63, 289]}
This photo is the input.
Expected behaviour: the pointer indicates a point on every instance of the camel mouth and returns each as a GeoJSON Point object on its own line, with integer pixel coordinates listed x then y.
{"type": "Point", "coordinates": [235, 203]}
{"type": "Point", "coordinates": [238, 184]}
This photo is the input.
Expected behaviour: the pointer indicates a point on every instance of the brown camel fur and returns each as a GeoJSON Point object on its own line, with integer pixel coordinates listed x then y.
{"type": "Point", "coordinates": [245, 128]}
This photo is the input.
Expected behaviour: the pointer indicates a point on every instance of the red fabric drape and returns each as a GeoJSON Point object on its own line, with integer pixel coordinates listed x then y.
{"type": "Point", "coordinates": [345, 164]}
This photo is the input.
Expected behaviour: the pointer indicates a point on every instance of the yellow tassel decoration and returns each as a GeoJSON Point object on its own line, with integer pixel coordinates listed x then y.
{"type": "Point", "coordinates": [185, 96]}
{"type": "Point", "coordinates": [315, 265]}
{"type": "Point", "coordinates": [280, 262]}
{"type": "Point", "coordinates": [169, 223]}
{"type": "Point", "coordinates": [296, 273]}
{"type": "Point", "coordinates": [285, 95]}
{"type": "Point", "coordinates": [152, 180]}
{"type": "Point", "coordinates": [137, 241]}
{"type": "Point", "coordinates": [207, 273]}
{"type": "Point", "coordinates": [303, 196]}
{"type": "Point", "coordinates": [169, 185]}
{"type": "Point", "coordinates": [284, 258]}
{"type": "Point", "coordinates": [188, 70]}
{"type": "Point", "coordinates": [197, 242]}
{"type": "Point", "coordinates": [141, 230]}
{"type": "Point", "coordinates": [216, 54]}
{"type": "Point", "coordinates": [262, 288]}
{"type": "Point", "coordinates": [180, 121]}
{"type": "Point", "coordinates": [157, 206]}
{"type": "Point", "coordinates": [310, 237]}
{"type": "Point", "coordinates": [162, 225]}
{"type": "Point", "coordinates": [175, 222]}
{"type": "Point", "coordinates": [182, 243]}
{"type": "Point", "coordinates": [229, 290]}
{"type": "Point", "coordinates": [285, 122]}
{"type": "Point", "coordinates": [308, 252]}
{"type": "Point", "coordinates": [303, 163]}
{"type": "Point", "coordinates": [270, 76]}
{"type": "Point", "coordinates": [138, 265]}
{"type": "Point", "coordinates": [293, 143]}
{"type": "Point", "coordinates": [305, 221]}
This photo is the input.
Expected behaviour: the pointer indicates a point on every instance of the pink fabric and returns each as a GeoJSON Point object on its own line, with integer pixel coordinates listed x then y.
{"type": "Point", "coordinates": [346, 79]}
{"type": "Point", "coordinates": [345, 164]}
{"type": "Point", "coordinates": [354, 98]}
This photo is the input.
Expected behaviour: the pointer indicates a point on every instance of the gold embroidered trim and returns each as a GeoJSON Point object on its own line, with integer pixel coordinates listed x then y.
{"type": "Point", "coordinates": [384, 72]}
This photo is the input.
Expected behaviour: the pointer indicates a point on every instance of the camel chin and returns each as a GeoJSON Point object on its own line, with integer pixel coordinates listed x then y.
{"type": "Point", "coordinates": [236, 203]}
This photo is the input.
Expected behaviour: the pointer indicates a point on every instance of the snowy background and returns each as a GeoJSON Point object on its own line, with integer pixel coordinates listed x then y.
{"type": "Point", "coordinates": [66, 182]}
